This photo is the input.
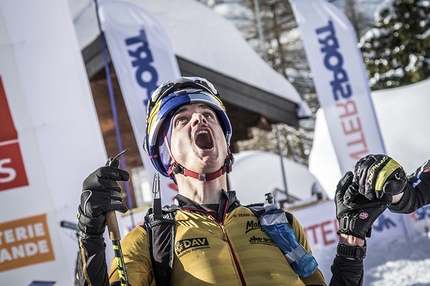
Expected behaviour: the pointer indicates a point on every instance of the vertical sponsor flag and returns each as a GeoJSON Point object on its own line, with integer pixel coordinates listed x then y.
{"type": "Point", "coordinates": [143, 59]}
{"type": "Point", "coordinates": [340, 80]}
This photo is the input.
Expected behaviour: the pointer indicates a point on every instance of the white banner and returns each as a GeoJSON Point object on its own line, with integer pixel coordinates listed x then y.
{"type": "Point", "coordinates": [340, 80]}
{"type": "Point", "coordinates": [50, 140]}
{"type": "Point", "coordinates": [143, 59]}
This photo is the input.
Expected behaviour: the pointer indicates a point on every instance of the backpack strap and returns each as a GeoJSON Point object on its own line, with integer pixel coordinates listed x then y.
{"type": "Point", "coordinates": [258, 210]}
{"type": "Point", "coordinates": [161, 238]}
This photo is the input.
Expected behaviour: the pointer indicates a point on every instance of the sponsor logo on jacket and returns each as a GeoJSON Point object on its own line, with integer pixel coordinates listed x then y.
{"type": "Point", "coordinates": [191, 244]}
{"type": "Point", "coordinates": [252, 225]}
{"type": "Point", "coordinates": [261, 240]}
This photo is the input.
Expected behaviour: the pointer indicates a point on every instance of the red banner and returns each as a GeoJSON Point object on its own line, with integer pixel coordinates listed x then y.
{"type": "Point", "coordinates": [12, 171]}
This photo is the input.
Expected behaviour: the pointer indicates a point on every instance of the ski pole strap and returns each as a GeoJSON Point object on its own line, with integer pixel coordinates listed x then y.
{"type": "Point", "coordinates": [156, 192]}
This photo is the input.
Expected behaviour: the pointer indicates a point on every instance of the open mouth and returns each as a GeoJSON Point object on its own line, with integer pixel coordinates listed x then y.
{"type": "Point", "coordinates": [204, 140]}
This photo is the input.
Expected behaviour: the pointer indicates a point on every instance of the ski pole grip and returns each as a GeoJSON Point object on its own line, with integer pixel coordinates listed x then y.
{"type": "Point", "coordinates": [112, 225]}
{"type": "Point", "coordinates": [111, 221]}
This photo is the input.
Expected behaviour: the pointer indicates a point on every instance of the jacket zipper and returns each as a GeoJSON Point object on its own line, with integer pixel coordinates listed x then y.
{"type": "Point", "coordinates": [221, 224]}
{"type": "Point", "coordinates": [236, 262]}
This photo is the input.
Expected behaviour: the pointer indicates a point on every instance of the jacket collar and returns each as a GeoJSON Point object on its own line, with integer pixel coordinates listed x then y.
{"type": "Point", "coordinates": [228, 197]}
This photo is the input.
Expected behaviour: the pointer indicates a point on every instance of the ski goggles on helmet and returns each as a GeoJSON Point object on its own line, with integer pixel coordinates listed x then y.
{"type": "Point", "coordinates": [164, 102]}
{"type": "Point", "coordinates": [181, 83]}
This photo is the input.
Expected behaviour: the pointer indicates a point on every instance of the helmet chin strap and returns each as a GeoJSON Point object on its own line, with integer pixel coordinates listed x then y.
{"type": "Point", "coordinates": [176, 168]}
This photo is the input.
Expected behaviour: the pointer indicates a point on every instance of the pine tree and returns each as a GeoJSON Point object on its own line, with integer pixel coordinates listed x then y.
{"type": "Point", "coordinates": [397, 50]}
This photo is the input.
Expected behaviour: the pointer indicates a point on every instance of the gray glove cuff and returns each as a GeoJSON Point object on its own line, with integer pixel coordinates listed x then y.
{"type": "Point", "coordinates": [92, 226]}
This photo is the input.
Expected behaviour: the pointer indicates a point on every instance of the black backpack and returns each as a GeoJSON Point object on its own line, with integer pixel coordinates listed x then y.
{"type": "Point", "coordinates": [161, 237]}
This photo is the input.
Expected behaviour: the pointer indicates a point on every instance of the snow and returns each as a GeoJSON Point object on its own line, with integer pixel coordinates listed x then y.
{"type": "Point", "coordinates": [400, 263]}
{"type": "Point", "coordinates": [386, 4]}
{"type": "Point", "coordinates": [301, 184]}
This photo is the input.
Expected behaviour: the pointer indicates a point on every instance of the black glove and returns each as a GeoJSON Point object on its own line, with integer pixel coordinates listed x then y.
{"type": "Point", "coordinates": [100, 193]}
{"type": "Point", "coordinates": [377, 175]}
{"type": "Point", "coordinates": [354, 212]}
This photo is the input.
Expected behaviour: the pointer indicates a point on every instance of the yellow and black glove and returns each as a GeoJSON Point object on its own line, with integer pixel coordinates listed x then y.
{"type": "Point", "coordinates": [377, 175]}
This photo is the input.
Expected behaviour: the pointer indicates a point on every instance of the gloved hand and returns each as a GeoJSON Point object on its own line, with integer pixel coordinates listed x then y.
{"type": "Point", "coordinates": [100, 193]}
{"type": "Point", "coordinates": [354, 212]}
{"type": "Point", "coordinates": [377, 175]}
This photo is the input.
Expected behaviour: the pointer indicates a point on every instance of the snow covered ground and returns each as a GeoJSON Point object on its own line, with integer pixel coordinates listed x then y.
{"type": "Point", "coordinates": [405, 262]}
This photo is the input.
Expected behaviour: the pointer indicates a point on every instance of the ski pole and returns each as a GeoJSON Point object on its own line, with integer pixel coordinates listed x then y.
{"type": "Point", "coordinates": [114, 233]}
{"type": "Point", "coordinates": [156, 205]}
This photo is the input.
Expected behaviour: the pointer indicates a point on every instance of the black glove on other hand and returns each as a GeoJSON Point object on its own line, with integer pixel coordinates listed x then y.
{"type": "Point", "coordinates": [377, 175]}
{"type": "Point", "coordinates": [100, 193]}
{"type": "Point", "coordinates": [355, 213]}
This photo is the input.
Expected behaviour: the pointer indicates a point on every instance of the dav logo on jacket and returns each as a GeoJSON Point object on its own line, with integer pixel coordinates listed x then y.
{"type": "Point", "coordinates": [12, 171]}
{"type": "Point", "coordinates": [187, 245]}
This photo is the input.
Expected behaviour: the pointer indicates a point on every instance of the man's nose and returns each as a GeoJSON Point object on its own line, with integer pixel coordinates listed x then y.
{"type": "Point", "coordinates": [198, 118]}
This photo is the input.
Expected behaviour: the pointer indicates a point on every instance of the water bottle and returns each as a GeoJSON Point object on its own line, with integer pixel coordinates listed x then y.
{"type": "Point", "coordinates": [274, 222]}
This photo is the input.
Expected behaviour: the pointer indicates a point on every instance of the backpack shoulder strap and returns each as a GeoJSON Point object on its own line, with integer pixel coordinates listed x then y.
{"type": "Point", "coordinates": [258, 210]}
{"type": "Point", "coordinates": [161, 237]}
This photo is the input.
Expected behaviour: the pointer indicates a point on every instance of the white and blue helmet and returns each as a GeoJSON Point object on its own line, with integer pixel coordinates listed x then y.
{"type": "Point", "coordinates": [164, 102]}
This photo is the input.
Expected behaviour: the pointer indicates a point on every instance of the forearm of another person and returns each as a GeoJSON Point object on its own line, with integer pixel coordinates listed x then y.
{"type": "Point", "coordinates": [411, 199]}
{"type": "Point", "coordinates": [347, 271]}
{"type": "Point", "coordinates": [416, 193]}
{"type": "Point", "coordinates": [347, 268]}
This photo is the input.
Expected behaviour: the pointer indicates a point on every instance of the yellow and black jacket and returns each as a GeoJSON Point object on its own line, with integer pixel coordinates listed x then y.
{"type": "Point", "coordinates": [229, 250]}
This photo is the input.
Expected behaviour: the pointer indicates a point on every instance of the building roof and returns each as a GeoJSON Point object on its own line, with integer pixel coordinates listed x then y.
{"type": "Point", "coordinates": [206, 45]}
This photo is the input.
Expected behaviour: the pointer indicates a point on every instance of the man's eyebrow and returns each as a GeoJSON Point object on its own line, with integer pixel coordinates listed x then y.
{"type": "Point", "coordinates": [180, 110]}
{"type": "Point", "coordinates": [185, 108]}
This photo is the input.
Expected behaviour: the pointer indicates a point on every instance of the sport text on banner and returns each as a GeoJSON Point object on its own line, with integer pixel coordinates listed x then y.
{"type": "Point", "coordinates": [340, 80]}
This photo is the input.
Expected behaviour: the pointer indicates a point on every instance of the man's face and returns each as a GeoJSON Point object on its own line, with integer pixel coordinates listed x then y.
{"type": "Point", "coordinates": [198, 141]}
